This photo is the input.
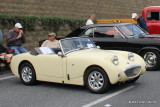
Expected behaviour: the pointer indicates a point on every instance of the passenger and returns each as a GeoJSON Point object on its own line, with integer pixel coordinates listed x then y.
{"type": "Point", "coordinates": [15, 39]}
{"type": "Point", "coordinates": [91, 19]}
{"type": "Point", "coordinates": [140, 20]}
{"type": "Point", "coordinates": [51, 42]}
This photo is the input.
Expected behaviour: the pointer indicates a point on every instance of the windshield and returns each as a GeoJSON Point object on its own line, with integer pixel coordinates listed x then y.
{"type": "Point", "coordinates": [131, 30]}
{"type": "Point", "coordinates": [73, 44]}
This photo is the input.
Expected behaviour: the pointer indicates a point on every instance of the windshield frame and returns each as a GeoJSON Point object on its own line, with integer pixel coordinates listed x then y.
{"type": "Point", "coordinates": [92, 44]}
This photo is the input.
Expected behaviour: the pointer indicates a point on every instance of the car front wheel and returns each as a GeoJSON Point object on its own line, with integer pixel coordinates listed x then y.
{"type": "Point", "coordinates": [152, 59]}
{"type": "Point", "coordinates": [27, 74]}
{"type": "Point", "coordinates": [96, 80]}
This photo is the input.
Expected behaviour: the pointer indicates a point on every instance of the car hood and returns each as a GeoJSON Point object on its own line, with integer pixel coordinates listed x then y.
{"type": "Point", "coordinates": [98, 53]}
{"type": "Point", "coordinates": [153, 36]}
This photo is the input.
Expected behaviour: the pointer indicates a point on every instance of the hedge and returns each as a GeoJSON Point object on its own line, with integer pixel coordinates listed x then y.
{"type": "Point", "coordinates": [50, 22]}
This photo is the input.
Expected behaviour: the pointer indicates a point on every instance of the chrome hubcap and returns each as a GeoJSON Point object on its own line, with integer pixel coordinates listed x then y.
{"type": "Point", "coordinates": [150, 59]}
{"type": "Point", "coordinates": [26, 74]}
{"type": "Point", "coordinates": [96, 80]}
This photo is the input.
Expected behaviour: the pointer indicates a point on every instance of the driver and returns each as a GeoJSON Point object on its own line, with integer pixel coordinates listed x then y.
{"type": "Point", "coordinates": [51, 42]}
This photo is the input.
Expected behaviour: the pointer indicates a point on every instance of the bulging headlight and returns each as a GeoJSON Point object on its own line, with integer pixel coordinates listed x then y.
{"type": "Point", "coordinates": [131, 56]}
{"type": "Point", "coordinates": [115, 60]}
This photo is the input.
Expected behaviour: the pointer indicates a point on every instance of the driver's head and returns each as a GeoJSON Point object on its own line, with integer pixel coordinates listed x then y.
{"type": "Point", "coordinates": [52, 36]}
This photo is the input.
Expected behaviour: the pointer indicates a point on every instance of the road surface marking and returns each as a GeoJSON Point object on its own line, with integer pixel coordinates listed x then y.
{"type": "Point", "coordinates": [6, 78]}
{"type": "Point", "coordinates": [108, 96]}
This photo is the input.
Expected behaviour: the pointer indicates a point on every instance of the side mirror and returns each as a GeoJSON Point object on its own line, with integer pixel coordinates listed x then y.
{"type": "Point", "coordinates": [60, 54]}
{"type": "Point", "coordinates": [98, 47]}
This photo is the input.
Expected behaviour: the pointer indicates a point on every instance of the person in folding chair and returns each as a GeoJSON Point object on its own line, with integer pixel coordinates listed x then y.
{"type": "Point", "coordinates": [4, 56]}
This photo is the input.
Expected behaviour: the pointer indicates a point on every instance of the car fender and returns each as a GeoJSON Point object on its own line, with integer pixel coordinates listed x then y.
{"type": "Point", "coordinates": [148, 48]}
{"type": "Point", "coordinates": [110, 69]}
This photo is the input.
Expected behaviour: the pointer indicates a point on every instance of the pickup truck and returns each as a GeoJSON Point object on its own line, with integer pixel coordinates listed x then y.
{"type": "Point", "coordinates": [151, 15]}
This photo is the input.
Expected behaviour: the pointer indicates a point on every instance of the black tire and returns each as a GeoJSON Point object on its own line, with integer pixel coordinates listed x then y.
{"type": "Point", "coordinates": [134, 79]}
{"type": "Point", "coordinates": [152, 59]}
{"type": "Point", "coordinates": [100, 83]}
{"type": "Point", "coordinates": [27, 74]}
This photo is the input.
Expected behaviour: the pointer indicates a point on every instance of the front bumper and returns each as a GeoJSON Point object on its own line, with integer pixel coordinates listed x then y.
{"type": "Point", "coordinates": [132, 71]}
{"type": "Point", "coordinates": [129, 73]}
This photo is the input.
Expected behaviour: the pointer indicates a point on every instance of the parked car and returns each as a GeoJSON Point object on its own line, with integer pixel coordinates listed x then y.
{"type": "Point", "coordinates": [78, 62]}
{"type": "Point", "coordinates": [151, 15]}
{"type": "Point", "coordinates": [124, 36]}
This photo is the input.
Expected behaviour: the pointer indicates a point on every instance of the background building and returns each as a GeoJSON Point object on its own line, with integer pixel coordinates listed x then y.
{"type": "Point", "coordinates": [76, 8]}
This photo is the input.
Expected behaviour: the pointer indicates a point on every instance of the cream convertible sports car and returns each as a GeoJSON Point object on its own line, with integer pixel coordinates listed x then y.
{"type": "Point", "coordinates": [78, 62]}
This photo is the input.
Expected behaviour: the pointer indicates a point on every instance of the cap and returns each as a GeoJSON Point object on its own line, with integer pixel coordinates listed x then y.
{"type": "Point", "coordinates": [52, 34]}
{"type": "Point", "coordinates": [18, 25]}
{"type": "Point", "coordinates": [134, 15]}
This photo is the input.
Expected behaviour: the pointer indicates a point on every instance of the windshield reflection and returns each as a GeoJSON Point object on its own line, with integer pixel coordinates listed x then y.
{"type": "Point", "coordinates": [131, 30]}
{"type": "Point", "coordinates": [73, 44]}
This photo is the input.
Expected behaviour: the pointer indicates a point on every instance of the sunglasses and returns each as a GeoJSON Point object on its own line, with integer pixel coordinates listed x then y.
{"type": "Point", "coordinates": [51, 36]}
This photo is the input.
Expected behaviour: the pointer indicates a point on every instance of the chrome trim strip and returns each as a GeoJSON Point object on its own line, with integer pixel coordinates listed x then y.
{"type": "Point", "coordinates": [132, 66]}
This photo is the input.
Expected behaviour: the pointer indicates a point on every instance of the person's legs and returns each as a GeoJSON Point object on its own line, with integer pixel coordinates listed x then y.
{"type": "Point", "coordinates": [7, 59]}
{"type": "Point", "coordinates": [15, 48]}
{"type": "Point", "coordinates": [22, 49]}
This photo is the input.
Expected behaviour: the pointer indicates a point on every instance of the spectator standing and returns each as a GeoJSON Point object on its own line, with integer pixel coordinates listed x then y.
{"type": "Point", "coordinates": [140, 20]}
{"type": "Point", "coordinates": [16, 38]}
{"type": "Point", "coordinates": [51, 42]}
{"type": "Point", "coordinates": [91, 19]}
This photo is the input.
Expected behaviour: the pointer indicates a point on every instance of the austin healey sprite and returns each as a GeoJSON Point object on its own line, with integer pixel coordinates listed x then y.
{"type": "Point", "coordinates": [78, 61]}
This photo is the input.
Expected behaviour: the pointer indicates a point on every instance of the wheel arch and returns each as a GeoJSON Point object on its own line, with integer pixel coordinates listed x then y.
{"type": "Point", "coordinates": [151, 65]}
{"type": "Point", "coordinates": [148, 48]}
{"type": "Point", "coordinates": [24, 61]}
{"type": "Point", "coordinates": [86, 70]}
{"type": "Point", "coordinates": [33, 78]}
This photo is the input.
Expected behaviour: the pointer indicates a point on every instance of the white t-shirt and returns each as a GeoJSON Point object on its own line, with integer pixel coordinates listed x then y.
{"type": "Point", "coordinates": [89, 22]}
{"type": "Point", "coordinates": [51, 44]}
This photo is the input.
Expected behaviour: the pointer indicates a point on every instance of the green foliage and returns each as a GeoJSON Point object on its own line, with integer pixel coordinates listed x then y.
{"type": "Point", "coordinates": [54, 23]}
{"type": "Point", "coordinates": [74, 23]}
{"type": "Point", "coordinates": [48, 22]}
{"type": "Point", "coordinates": [28, 22]}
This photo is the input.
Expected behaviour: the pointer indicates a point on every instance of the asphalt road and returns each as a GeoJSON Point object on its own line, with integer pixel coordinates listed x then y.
{"type": "Point", "coordinates": [144, 93]}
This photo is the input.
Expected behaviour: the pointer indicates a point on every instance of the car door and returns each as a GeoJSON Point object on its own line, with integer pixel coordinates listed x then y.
{"type": "Point", "coordinates": [107, 37]}
{"type": "Point", "coordinates": [152, 18]}
{"type": "Point", "coordinates": [136, 44]}
{"type": "Point", "coordinates": [50, 65]}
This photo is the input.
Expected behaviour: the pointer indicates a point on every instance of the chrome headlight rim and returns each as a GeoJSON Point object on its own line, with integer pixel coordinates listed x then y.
{"type": "Point", "coordinates": [115, 60]}
{"type": "Point", "coordinates": [131, 56]}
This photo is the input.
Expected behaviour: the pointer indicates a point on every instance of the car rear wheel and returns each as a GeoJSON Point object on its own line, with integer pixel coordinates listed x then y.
{"type": "Point", "coordinates": [27, 74]}
{"type": "Point", "coordinates": [152, 59]}
{"type": "Point", "coordinates": [96, 80]}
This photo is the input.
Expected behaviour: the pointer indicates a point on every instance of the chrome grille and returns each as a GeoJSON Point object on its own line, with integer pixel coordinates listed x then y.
{"type": "Point", "coordinates": [132, 71]}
